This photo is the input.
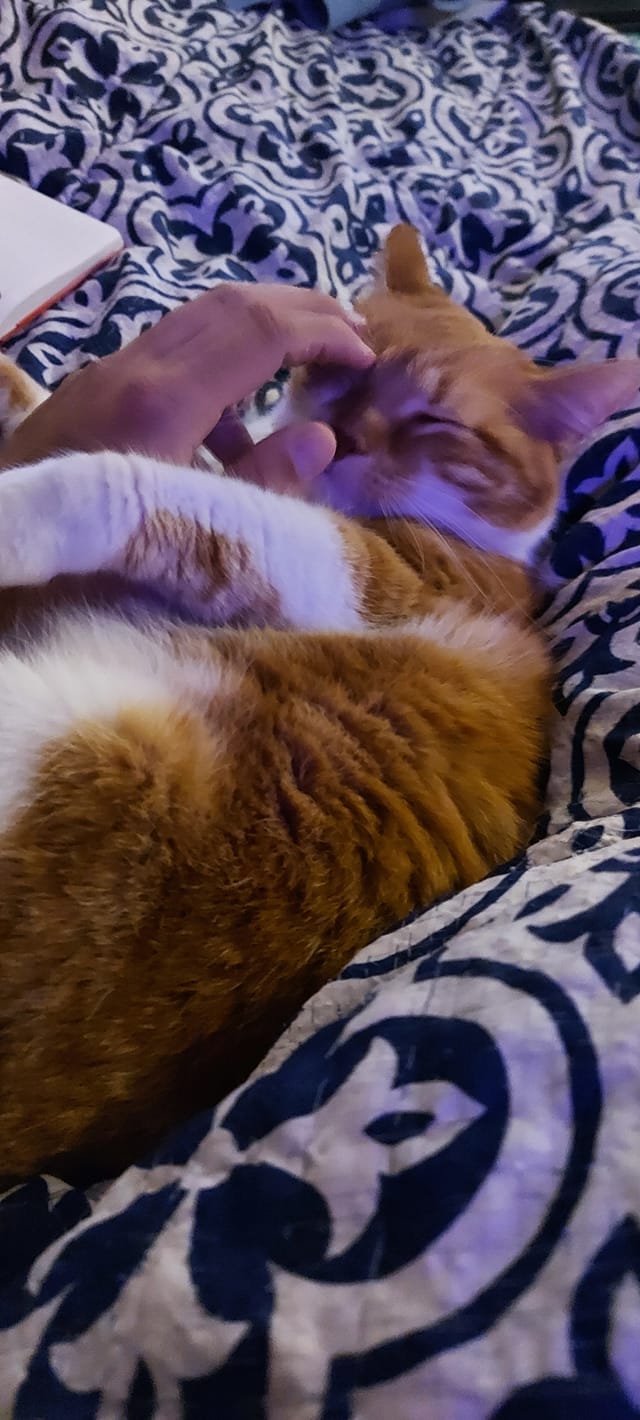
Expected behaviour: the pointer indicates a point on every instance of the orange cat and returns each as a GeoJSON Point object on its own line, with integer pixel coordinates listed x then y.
{"type": "Point", "coordinates": [201, 823]}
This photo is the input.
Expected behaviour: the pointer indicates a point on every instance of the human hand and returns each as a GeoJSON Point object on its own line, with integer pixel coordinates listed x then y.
{"type": "Point", "coordinates": [175, 386]}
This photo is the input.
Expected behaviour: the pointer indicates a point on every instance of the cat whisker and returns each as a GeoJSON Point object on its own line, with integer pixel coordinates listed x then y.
{"type": "Point", "coordinates": [488, 561]}
{"type": "Point", "coordinates": [410, 525]}
{"type": "Point", "coordinates": [466, 535]}
{"type": "Point", "coordinates": [418, 515]}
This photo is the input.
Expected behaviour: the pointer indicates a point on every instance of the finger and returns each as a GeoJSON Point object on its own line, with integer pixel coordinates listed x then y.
{"type": "Point", "coordinates": [301, 299]}
{"type": "Point", "coordinates": [288, 299]}
{"type": "Point", "coordinates": [288, 460]}
{"type": "Point", "coordinates": [254, 347]}
{"type": "Point", "coordinates": [326, 341]}
{"type": "Point", "coordinates": [229, 440]}
{"type": "Point", "coordinates": [200, 318]}
{"type": "Point", "coordinates": [217, 352]}
{"type": "Point", "coordinates": [230, 335]}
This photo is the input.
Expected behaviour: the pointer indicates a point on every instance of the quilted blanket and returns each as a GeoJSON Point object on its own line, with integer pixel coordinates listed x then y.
{"type": "Point", "coordinates": [426, 1203]}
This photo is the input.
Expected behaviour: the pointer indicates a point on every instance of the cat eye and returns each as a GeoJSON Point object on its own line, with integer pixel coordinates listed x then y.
{"type": "Point", "coordinates": [424, 422]}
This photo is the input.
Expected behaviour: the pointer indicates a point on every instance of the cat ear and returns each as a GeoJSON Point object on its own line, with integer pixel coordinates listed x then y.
{"type": "Point", "coordinates": [573, 401]}
{"type": "Point", "coordinates": [405, 268]}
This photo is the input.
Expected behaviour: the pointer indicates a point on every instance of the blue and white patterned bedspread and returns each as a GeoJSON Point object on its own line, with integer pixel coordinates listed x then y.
{"type": "Point", "coordinates": [427, 1204]}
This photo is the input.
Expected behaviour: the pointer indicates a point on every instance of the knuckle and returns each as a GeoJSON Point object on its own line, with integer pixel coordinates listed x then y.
{"type": "Point", "coordinates": [229, 295]}
{"type": "Point", "coordinates": [268, 325]}
{"type": "Point", "coordinates": [143, 403]}
{"type": "Point", "coordinates": [245, 301]}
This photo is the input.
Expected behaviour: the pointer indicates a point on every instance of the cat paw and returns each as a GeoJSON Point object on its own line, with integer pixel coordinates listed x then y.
{"type": "Point", "coordinates": [19, 394]}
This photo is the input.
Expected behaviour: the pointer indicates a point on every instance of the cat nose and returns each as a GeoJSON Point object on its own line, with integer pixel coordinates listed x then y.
{"type": "Point", "coordinates": [374, 430]}
{"type": "Point", "coordinates": [370, 434]}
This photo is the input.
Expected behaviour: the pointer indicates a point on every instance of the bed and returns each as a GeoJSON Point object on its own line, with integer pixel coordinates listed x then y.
{"type": "Point", "coordinates": [426, 1202]}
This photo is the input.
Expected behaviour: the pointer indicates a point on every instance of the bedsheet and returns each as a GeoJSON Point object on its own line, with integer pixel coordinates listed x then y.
{"type": "Point", "coordinates": [426, 1203]}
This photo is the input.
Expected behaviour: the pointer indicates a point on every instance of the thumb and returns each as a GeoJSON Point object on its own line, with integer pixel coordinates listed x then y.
{"type": "Point", "coordinates": [287, 460]}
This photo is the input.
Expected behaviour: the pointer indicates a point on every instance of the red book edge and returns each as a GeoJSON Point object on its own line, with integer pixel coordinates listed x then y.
{"type": "Point", "coordinates": [60, 295]}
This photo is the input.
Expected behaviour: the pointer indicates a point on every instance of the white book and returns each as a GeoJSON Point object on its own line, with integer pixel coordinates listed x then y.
{"type": "Point", "coordinates": [45, 250]}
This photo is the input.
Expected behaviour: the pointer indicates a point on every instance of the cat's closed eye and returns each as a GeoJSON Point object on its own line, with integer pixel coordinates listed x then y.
{"type": "Point", "coordinates": [427, 422]}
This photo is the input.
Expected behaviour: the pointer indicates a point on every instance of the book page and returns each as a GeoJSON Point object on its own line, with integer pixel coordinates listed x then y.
{"type": "Point", "coordinates": [45, 250]}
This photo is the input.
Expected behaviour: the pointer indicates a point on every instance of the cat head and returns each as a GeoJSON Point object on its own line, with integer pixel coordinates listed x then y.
{"type": "Point", "coordinates": [452, 426]}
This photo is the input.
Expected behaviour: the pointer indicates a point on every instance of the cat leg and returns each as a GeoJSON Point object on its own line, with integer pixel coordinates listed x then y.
{"type": "Point", "coordinates": [220, 549]}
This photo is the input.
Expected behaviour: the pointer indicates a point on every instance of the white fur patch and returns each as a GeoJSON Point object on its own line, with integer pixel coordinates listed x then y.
{"type": "Point", "coordinates": [488, 634]}
{"type": "Point", "coordinates": [89, 670]}
{"type": "Point", "coordinates": [355, 486]}
{"type": "Point", "coordinates": [299, 551]}
{"type": "Point", "coordinates": [441, 505]}
{"type": "Point", "coordinates": [78, 513]}
{"type": "Point", "coordinates": [460, 630]}
{"type": "Point", "coordinates": [520, 544]}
